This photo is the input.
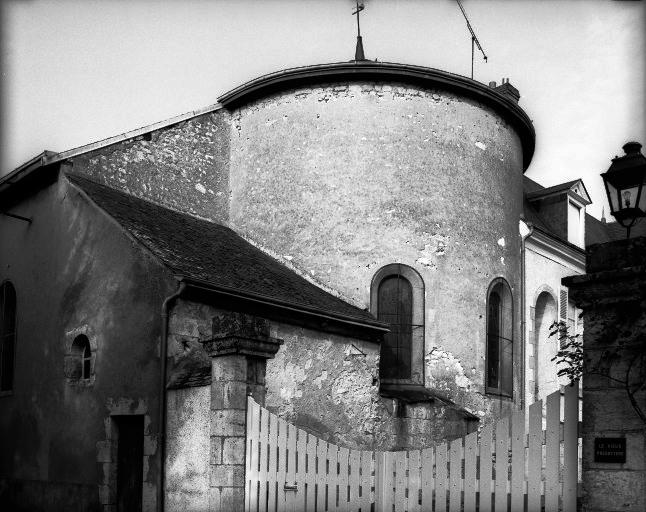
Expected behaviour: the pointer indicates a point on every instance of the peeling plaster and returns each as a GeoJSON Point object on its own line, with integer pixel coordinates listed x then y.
{"type": "Point", "coordinates": [444, 366]}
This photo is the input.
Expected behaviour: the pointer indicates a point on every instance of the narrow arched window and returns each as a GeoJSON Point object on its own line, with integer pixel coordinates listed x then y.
{"type": "Point", "coordinates": [500, 342]}
{"type": "Point", "coordinates": [7, 335]}
{"type": "Point", "coordinates": [397, 298]}
{"type": "Point", "coordinates": [80, 358]}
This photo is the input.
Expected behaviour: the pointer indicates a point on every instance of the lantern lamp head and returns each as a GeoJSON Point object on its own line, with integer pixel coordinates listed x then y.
{"type": "Point", "coordinates": [624, 181]}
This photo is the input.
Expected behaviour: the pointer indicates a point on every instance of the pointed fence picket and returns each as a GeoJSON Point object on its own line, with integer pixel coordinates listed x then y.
{"type": "Point", "coordinates": [512, 466]}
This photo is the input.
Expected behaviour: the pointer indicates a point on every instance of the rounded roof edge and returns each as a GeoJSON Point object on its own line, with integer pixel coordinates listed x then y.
{"type": "Point", "coordinates": [383, 71]}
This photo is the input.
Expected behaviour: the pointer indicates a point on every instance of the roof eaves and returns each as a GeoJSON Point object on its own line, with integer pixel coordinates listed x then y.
{"type": "Point", "coordinates": [26, 169]}
{"type": "Point", "coordinates": [586, 191]}
{"type": "Point", "coordinates": [290, 306]}
{"type": "Point", "coordinates": [579, 198]}
{"type": "Point", "coordinates": [561, 188]}
{"type": "Point", "coordinates": [561, 241]}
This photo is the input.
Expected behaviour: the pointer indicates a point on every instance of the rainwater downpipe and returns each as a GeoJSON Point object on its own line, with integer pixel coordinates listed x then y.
{"type": "Point", "coordinates": [163, 353]}
{"type": "Point", "coordinates": [525, 230]}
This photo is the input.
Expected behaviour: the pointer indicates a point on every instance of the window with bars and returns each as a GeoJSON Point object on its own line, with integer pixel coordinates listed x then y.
{"type": "Point", "coordinates": [500, 341]}
{"type": "Point", "coordinates": [397, 298]}
{"type": "Point", "coordinates": [395, 308]}
{"type": "Point", "coordinates": [7, 335]}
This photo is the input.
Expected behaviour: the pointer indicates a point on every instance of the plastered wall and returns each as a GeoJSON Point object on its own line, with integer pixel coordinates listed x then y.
{"type": "Point", "coordinates": [76, 272]}
{"type": "Point", "coordinates": [343, 179]}
{"type": "Point", "coordinates": [326, 384]}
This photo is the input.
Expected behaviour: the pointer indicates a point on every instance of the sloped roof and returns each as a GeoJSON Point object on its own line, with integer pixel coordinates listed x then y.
{"type": "Point", "coordinates": [530, 187]}
{"type": "Point", "coordinates": [557, 189]}
{"type": "Point", "coordinates": [615, 231]}
{"type": "Point", "coordinates": [595, 231]}
{"type": "Point", "coordinates": [215, 255]}
{"type": "Point", "coordinates": [531, 215]}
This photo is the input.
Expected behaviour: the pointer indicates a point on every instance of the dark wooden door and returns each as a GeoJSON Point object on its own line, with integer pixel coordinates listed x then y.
{"type": "Point", "coordinates": [130, 463]}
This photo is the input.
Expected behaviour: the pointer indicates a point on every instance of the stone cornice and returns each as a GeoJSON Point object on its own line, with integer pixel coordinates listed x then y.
{"type": "Point", "coordinates": [564, 253]}
{"type": "Point", "coordinates": [240, 333]}
{"type": "Point", "coordinates": [387, 72]}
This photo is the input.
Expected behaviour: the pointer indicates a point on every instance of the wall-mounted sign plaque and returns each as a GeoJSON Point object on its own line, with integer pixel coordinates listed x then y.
{"type": "Point", "coordinates": [610, 449]}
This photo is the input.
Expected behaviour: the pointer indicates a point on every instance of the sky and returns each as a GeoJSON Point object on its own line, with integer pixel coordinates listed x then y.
{"type": "Point", "coordinates": [78, 71]}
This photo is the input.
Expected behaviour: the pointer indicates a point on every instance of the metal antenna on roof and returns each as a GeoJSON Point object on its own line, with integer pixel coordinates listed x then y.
{"type": "Point", "coordinates": [474, 39]}
{"type": "Point", "coordinates": [358, 53]}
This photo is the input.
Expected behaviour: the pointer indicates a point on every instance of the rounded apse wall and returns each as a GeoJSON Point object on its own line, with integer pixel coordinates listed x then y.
{"type": "Point", "coordinates": [344, 177]}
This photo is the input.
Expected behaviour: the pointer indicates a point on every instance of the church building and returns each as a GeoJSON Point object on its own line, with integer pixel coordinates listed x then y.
{"type": "Point", "coordinates": [370, 225]}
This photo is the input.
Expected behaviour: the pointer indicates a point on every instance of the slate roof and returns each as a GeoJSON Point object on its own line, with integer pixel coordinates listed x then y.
{"type": "Point", "coordinates": [596, 232]}
{"type": "Point", "coordinates": [560, 187]}
{"type": "Point", "coordinates": [530, 188]}
{"type": "Point", "coordinates": [615, 231]}
{"type": "Point", "coordinates": [215, 255]}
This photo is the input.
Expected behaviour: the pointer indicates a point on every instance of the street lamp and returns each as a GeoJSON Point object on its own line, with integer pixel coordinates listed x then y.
{"type": "Point", "coordinates": [624, 182]}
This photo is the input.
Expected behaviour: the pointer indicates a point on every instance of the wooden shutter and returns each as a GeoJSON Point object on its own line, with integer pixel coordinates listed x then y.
{"type": "Point", "coordinates": [563, 304]}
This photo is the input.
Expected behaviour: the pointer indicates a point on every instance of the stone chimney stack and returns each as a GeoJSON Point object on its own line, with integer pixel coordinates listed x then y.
{"type": "Point", "coordinates": [507, 89]}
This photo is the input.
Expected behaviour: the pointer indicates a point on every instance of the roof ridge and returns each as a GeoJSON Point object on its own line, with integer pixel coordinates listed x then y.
{"type": "Point", "coordinates": [49, 157]}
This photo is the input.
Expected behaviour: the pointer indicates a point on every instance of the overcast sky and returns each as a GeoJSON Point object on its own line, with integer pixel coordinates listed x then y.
{"type": "Point", "coordinates": [77, 71]}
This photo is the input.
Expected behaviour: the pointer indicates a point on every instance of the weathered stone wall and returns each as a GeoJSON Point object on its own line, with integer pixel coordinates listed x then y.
{"type": "Point", "coordinates": [328, 385]}
{"type": "Point", "coordinates": [187, 449]}
{"type": "Point", "coordinates": [613, 298]}
{"type": "Point", "coordinates": [183, 166]}
{"type": "Point", "coordinates": [75, 271]}
{"type": "Point", "coordinates": [343, 179]}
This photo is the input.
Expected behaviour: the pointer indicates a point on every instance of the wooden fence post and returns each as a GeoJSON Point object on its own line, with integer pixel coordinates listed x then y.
{"type": "Point", "coordinates": [380, 481]}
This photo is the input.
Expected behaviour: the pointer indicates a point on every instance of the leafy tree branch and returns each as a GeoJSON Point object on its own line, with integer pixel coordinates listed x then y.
{"type": "Point", "coordinates": [570, 359]}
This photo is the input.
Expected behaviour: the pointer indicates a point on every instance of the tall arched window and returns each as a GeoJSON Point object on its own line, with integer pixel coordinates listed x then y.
{"type": "Point", "coordinates": [500, 339]}
{"type": "Point", "coordinates": [7, 335]}
{"type": "Point", "coordinates": [397, 298]}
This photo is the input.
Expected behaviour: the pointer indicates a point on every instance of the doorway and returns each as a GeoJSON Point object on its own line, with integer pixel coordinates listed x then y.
{"type": "Point", "coordinates": [130, 451]}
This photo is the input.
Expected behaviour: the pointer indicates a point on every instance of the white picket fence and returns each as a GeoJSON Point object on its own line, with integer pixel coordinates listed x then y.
{"type": "Point", "coordinates": [505, 467]}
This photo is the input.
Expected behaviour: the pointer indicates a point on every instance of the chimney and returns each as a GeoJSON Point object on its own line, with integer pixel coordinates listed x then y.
{"type": "Point", "coordinates": [508, 90]}
{"type": "Point", "coordinates": [492, 85]}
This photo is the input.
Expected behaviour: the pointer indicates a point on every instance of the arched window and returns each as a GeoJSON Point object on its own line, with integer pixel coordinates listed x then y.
{"type": "Point", "coordinates": [80, 360]}
{"type": "Point", "coordinates": [500, 339]}
{"type": "Point", "coordinates": [545, 348]}
{"type": "Point", "coordinates": [7, 335]}
{"type": "Point", "coordinates": [397, 298]}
